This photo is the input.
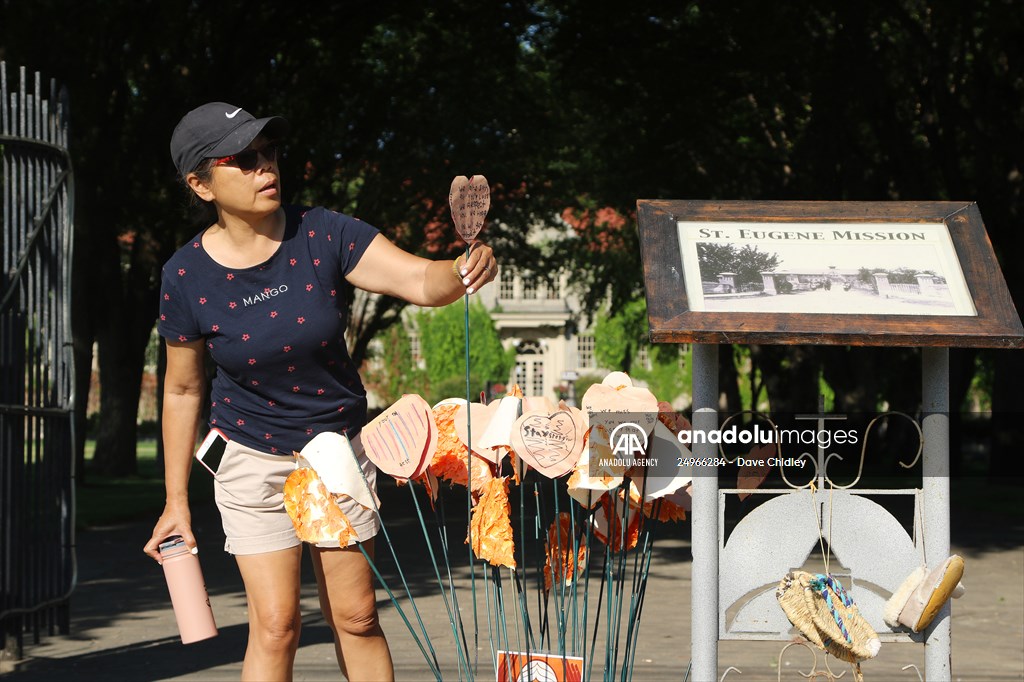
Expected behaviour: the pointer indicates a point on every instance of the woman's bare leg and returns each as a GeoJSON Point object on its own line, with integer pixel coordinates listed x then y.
{"type": "Point", "coordinates": [349, 605]}
{"type": "Point", "coordinates": [272, 590]}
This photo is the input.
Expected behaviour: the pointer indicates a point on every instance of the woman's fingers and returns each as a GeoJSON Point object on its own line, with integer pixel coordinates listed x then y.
{"type": "Point", "coordinates": [479, 268]}
{"type": "Point", "coordinates": [169, 525]}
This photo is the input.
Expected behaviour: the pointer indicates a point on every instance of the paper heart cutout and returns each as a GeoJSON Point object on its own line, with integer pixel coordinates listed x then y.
{"type": "Point", "coordinates": [551, 443]}
{"type": "Point", "coordinates": [469, 199]}
{"type": "Point", "coordinates": [536, 403]}
{"type": "Point", "coordinates": [628, 404]}
{"type": "Point", "coordinates": [618, 380]}
{"type": "Point", "coordinates": [402, 439]}
{"type": "Point", "coordinates": [498, 432]}
{"type": "Point", "coordinates": [480, 416]}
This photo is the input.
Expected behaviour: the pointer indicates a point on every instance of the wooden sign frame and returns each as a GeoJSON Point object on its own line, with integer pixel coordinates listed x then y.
{"type": "Point", "coordinates": [993, 322]}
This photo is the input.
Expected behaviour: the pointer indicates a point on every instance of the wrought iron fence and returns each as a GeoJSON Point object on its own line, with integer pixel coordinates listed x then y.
{"type": "Point", "coordinates": [37, 567]}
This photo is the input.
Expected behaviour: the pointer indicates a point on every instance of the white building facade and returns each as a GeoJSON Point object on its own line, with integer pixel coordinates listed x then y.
{"type": "Point", "coordinates": [541, 321]}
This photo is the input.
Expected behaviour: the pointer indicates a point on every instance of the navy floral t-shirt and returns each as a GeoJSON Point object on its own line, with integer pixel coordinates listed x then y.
{"type": "Point", "coordinates": [276, 331]}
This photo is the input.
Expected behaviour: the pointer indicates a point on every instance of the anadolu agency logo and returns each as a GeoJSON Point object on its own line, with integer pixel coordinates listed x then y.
{"type": "Point", "coordinates": [628, 440]}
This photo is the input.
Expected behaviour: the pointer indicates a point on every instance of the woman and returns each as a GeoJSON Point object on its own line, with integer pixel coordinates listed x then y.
{"type": "Point", "coordinates": [262, 290]}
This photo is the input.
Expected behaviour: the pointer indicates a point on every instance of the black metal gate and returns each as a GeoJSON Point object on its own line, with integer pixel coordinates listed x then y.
{"type": "Point", "coordinates": [37, 567]}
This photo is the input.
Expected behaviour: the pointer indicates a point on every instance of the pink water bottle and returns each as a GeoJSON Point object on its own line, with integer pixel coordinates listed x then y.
{"type": "Point", "coordinates": [188, 591]}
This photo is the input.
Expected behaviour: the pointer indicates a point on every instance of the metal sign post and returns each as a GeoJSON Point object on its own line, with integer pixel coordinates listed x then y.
{"type": "Point", "coordinates": [704, 586]}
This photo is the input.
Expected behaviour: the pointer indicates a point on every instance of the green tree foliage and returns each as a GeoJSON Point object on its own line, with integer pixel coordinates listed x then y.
{"type": "Point", "coordinates": [618, 338]}
{"type": "Point", "coordinates": [669, 376]}
{"type": "Point", "coordinates": [618, 335]}
{"type": "Point", "coordinates": [443, 343]}
{"type": "Point", "coordinates": [392, 372]}
{"type": "Point", "coordinates": [574, 109]}
{"type": "Point", "coordinates": [747, 262]}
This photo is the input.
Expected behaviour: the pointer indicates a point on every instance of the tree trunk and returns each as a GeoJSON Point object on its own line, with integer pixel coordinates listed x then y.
{"type": "Point", "coordinates": [83, 334]}
{"type": "Point", "coordinates": [121, 361]}
{"type": "Point", "coordinates": [125, 314]}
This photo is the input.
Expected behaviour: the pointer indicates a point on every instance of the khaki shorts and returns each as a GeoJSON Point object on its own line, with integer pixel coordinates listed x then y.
{"type": "Point", "coordinates": [249, 489]}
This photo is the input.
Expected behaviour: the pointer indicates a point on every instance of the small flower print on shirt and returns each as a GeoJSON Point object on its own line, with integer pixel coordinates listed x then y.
{"type": "Point", "coordinates": [232, 305]}
{"type": "Point", "coordinates": [215, 328]}
{"type": "Point", "coordinates": [195, 245]}
{"type": "Point", "coordinates": [295, 389]}
{"type": "Point", "coordinates": [316, 261]}
{"type": "Point", "coordinates": [252, 361]}
{"type": "Point", "coordinates": [312, 234]}
{"type": "Point", "coordinates": [181, 272]}
{"type": "Point", "coordinates": [240, 422]}
{"type": "Point", "coordinates": [287, 349]}
{"type": "Point", "coordinates": [301, 320]}
{"type": "Point", "coordinates": [231, 276]}
{"type": "Point", "coordinates": [273, 313]}
{"type": "Point", "coordinates": [292, 262]}
{"type": "Point", "coordinates": [245, 337]}
{"type": "Point", "coordinates": [202, 300]}
{"type": "Point", "coordinates": [309, 287]}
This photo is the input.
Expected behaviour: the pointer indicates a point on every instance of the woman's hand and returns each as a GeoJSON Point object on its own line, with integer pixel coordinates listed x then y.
{"type": "Point", "coordinates": [479, 268]}
{"type": "Point", "coordinates": [176, 520]}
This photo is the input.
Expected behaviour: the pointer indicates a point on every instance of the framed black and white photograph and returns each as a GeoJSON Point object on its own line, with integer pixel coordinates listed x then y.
{"type": "Point", "coordinates": [866, 268]}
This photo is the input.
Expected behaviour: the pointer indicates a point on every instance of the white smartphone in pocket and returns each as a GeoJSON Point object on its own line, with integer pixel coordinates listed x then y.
{"type": "Point", "coordinates": [211, 450]}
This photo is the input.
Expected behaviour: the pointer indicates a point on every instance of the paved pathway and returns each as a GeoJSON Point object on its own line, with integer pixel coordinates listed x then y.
{"type": "Point", "coordinates": [123, 628]}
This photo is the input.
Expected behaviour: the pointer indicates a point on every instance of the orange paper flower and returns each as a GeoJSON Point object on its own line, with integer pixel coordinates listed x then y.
{"type": "Point", "coordinates": [314, 511]}
{"type": "Point", "coordinates": [667, 510]}
{"type": "Point", "coordinates": [566, 564]}
{"type": "Point", "coordinates": [608, 522]}
{"type": "Point", "coordinates": [491, 525]}
{"type": "Point", "coordinates": [449, 460]}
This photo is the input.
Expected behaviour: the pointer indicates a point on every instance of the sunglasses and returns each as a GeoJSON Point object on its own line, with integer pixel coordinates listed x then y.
{"type": "Point", "coordinates": [248, 160]}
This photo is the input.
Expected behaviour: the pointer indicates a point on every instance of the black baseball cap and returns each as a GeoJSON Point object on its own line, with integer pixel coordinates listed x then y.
{"type": "Point", "coordinates": [218, 129]}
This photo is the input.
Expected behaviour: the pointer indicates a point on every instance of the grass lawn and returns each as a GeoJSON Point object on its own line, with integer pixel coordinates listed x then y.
{"type": "Point", "coordinates": [109, 500]}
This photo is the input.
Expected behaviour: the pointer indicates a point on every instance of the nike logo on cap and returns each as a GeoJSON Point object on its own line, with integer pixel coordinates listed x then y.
{"type": "Point", "coordinates": [233, 113]}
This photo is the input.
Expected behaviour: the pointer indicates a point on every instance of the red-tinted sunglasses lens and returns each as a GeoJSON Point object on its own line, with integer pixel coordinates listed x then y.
{"type": "Point", "coordinates": [248, 160]}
